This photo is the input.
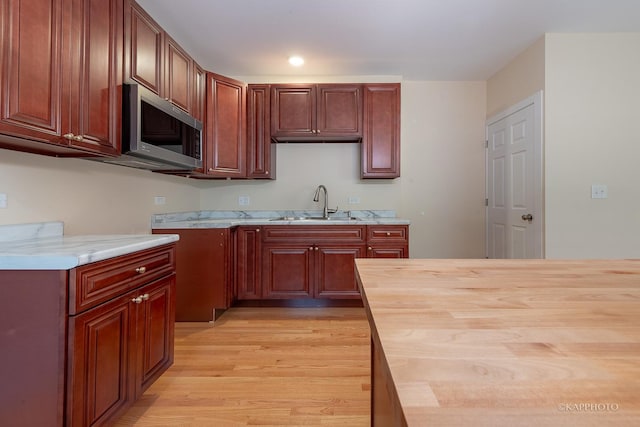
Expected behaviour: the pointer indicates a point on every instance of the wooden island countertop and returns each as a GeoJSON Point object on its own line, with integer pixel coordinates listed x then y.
{"type": "Point", "coordinates": [503, 342]}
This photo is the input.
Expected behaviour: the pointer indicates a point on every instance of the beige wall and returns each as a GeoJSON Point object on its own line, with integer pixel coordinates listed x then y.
{"type": "Point", "coordinates": [89, 197]}
{"type": "Point", "coordinates": [592, 137]}
{"type": "Point", "coordinates": [521, 78]}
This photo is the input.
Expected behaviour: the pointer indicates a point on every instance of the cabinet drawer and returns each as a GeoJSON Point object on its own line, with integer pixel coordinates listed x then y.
{"type": "Point", "coordinates": [314, 234]}
{"type": "Point", "coordinates": [387, 233]}
{"type": "Point", "coordinates": [95, 283]}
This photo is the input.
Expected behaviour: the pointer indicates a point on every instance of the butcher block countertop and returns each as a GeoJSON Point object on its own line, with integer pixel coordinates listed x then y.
{"type": "Point", "coordinates": [507, 342]}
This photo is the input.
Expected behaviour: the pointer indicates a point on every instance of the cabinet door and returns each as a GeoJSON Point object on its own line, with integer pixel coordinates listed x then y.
{"type": "Point", "coordinates": [204, 280]}
{"type": "Point", "coordinates": [155, 331]}
{"type": "Point", "coordinates": [261, 156]}
{"type": "Point", "coordinates": [31, 93]}
{"type": "Point", "coordinates": [381, 133]}
{"type": "Point", "coordinates": [287, 271]}
{"type": "Point", "coordinates": [339, 111]}
{"type": "Point", "coordinates": [101, 362]}
{"type": "Point", "coordinates": [388, 252]}
{"type": "Point", "coordinates": [335, 271]}
{"type": "Point", "coordinates": [248, 262]}
{"type": "Point", "coordinates": [96, 76]}
{"type": "Point", "coordinates": [293, 110]}
{"type": "Point", "coordinates": [199, 92]}
{"type": "Point", "coordinates": [179, 75]}
{"type": "Point", "coordinates": [224, 145]}
{"type": "Point", "coordinates": [143, 44]}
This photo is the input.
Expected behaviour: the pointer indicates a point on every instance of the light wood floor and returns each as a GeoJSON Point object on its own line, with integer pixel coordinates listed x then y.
{"type": "Point", "coordinates": [264, 367]}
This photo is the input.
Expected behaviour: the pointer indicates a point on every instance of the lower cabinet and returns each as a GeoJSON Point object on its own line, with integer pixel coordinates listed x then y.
{"type": "Point", "coordinates": [296, 261]}
{"type": "Point", "coordinates": [80, 346]}
{"type": "Point", "coordinates": [204, 260]}
{"type": "Point", "coordinates": [117, 350]}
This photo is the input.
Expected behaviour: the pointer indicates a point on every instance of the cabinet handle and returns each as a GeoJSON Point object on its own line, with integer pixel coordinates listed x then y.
{"type": "Point", "coordinates": [144, 297]}
{"type": "Point", "coordinates": [137, 300]}
{"type": "Point", "coordinates": [141, 270]}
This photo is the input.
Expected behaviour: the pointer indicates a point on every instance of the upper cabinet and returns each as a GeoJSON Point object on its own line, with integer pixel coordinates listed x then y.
{"type": "Point", "coordinates": [153, 59]}
{"type": "Point", "coordinates": [381, 135]}
{"type": "Point", "coordinates": [324, 112]}
{"type": "Point", "coordinates": [60, 75]}
{"type": "Point", "coordinates": [225, 127]}
{"type": "Point", "coordinates": [261, 155]}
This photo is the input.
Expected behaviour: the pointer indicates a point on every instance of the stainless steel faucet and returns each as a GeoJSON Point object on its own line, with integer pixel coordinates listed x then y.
{"type": "Point", "coordinates": [325, 211]}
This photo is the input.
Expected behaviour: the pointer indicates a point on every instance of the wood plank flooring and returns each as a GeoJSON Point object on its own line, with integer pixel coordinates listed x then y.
{"type": "Point", "coordinates": [264, 366]}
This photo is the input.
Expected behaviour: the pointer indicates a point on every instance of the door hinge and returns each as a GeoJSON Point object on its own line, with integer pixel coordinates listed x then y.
{"type": "Point", "coordinates": [486, 202]}
{"type": "Point", "coordinates": [486, 144]}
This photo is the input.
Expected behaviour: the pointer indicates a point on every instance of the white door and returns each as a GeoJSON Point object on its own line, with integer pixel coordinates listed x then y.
{"type": "Point", "coordinates": [514, 182]}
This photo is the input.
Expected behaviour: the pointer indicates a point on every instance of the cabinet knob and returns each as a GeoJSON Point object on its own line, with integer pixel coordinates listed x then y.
{"type": "Point", "coordinates": [257, 230]}
{"type": "Point", "coordinates": [316, 248]}
{"type": "Point", "coordinates": [141, 270]}
{"type": "Point", "coordinates": [137, 300]}
{"type": "Point", "coordinates": [370, 248]}
{"type": "Point", "coordinates": [68, 136]}
{"type": "Point", "coordinates": [144, 297]}
{"type": "Point", "coordinates": [78, 138]}
{"type": "Point", "coordinates": [210, 169]}
{"type": "Point", "coordinates": [388, 233]}
{"type": "Point", "coordinates": [266, 173]}
{"type": "Point", "coordinates": [310, 248]}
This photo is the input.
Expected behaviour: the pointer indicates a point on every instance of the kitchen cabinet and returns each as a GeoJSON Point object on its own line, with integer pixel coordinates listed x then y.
{"type": "Point", "coordinates": [225, 127]}
{"type": "Point", "coordinates": [248, 262]}
{"type": "Point", "coordinates": [106, 328]}
{"type": "Point", "coordinates": [154, 60]}
{"type": "Point", "coordinates": [199, 92]}
{"type": "Point", "coordinates": [311, 261]}
{"type": "Point", "coordinates": [380, 155]}
{"type": "Point", "coordinates": [295, 261]}
{"type": "Point", "coordinates": [60, 77]}
{"type": "Point", "coordinates": [204, 271]}
{"type": "Point", "coordinates": [388, 241]}
{"type": "Point", "coordinates": [323, 112]}
{"type": "Point", "coordinates": [261, 154]}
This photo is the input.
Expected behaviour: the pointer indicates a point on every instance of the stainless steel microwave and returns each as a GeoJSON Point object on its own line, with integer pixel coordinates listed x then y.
{"type": "Point", "coordinates": [156, 134]}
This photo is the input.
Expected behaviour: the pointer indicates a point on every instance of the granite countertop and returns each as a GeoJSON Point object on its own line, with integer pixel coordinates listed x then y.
{"type": "Point", "coordinates": [43, 246]}
{"type": "Point", "coordinates": [507, 342]}
{"type": "Point", "coordinates": [226, 219]}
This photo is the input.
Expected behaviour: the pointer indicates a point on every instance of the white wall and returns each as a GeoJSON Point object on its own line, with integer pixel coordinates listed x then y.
{"type": "Point", "coordinates": [89, 197]}
{"type": "Point", "coordinates": [592, 137]}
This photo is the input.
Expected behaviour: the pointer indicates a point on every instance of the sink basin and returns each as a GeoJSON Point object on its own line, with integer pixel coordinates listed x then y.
{"type": "Point", "coordinates": [312, 218]}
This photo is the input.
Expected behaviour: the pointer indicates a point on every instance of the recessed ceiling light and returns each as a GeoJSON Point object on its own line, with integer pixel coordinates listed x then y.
{"type": "Point", "coordinates": [296, 61]}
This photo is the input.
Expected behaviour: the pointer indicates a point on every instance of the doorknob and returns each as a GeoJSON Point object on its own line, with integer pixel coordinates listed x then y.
{"type": "Point", "coordinates": [527, 217]}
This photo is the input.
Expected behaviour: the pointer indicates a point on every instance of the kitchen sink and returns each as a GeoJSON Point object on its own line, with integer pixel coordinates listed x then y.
{"type": "Point", "coordinates": [313, 218]}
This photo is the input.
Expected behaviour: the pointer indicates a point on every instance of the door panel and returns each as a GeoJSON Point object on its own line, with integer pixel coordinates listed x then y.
{"type": "Point", "coordinates": [286, 271]}
{"type": "Point", "coordinates": [335, 271]}
{"type": "Point", "coordinates": [512, 159]}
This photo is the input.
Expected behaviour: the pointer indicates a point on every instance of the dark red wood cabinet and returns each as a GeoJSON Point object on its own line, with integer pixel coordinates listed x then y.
{"type": "Point", "coordinates": [153, 59]}
{"type": "Point", "coordinates": [261, 152]}
{"type": "Point", "coordinates": [380, 154]}
{"type": "Point", "coordinates": [204, 270]}
{"type": "Point", "coordinates": [80, 346]}
{"type": "Point", "coordinates": [323, 112]}
{"type": "Point", "coordinates": [301, 261]}
{"type": "Point", "coordinates": [60, 76]}
{"type": "Point", "coordinates": [225, 127]}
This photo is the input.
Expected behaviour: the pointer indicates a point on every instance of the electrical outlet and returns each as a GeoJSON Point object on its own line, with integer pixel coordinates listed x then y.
{"type": "Point", "coordinates": [244, 201]}
{"type": "Point", "coordinates": [159, 200]}
{"type": "Point", "coordinates": [354, 200]}
{"type": "Point", "coordinates": [599, 191]}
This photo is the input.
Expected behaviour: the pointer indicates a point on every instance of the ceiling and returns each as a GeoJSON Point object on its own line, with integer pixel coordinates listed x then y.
{"type": "Point", "coordinates": [412, 39]}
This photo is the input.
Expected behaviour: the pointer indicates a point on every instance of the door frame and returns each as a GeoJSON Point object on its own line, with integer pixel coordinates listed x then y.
{"type": "Point", "coordinates": [538, 156]}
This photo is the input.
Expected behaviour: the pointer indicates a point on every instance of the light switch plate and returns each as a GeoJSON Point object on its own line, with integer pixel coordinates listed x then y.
{"type": "Point", "coordinates": [244, 201]}
{"type": "Point", "coordinates": [159, 200]}
{"type": "Point", "coordinates": [599, 191]}
{"type": "Point", "coordinates": [3, 200]}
